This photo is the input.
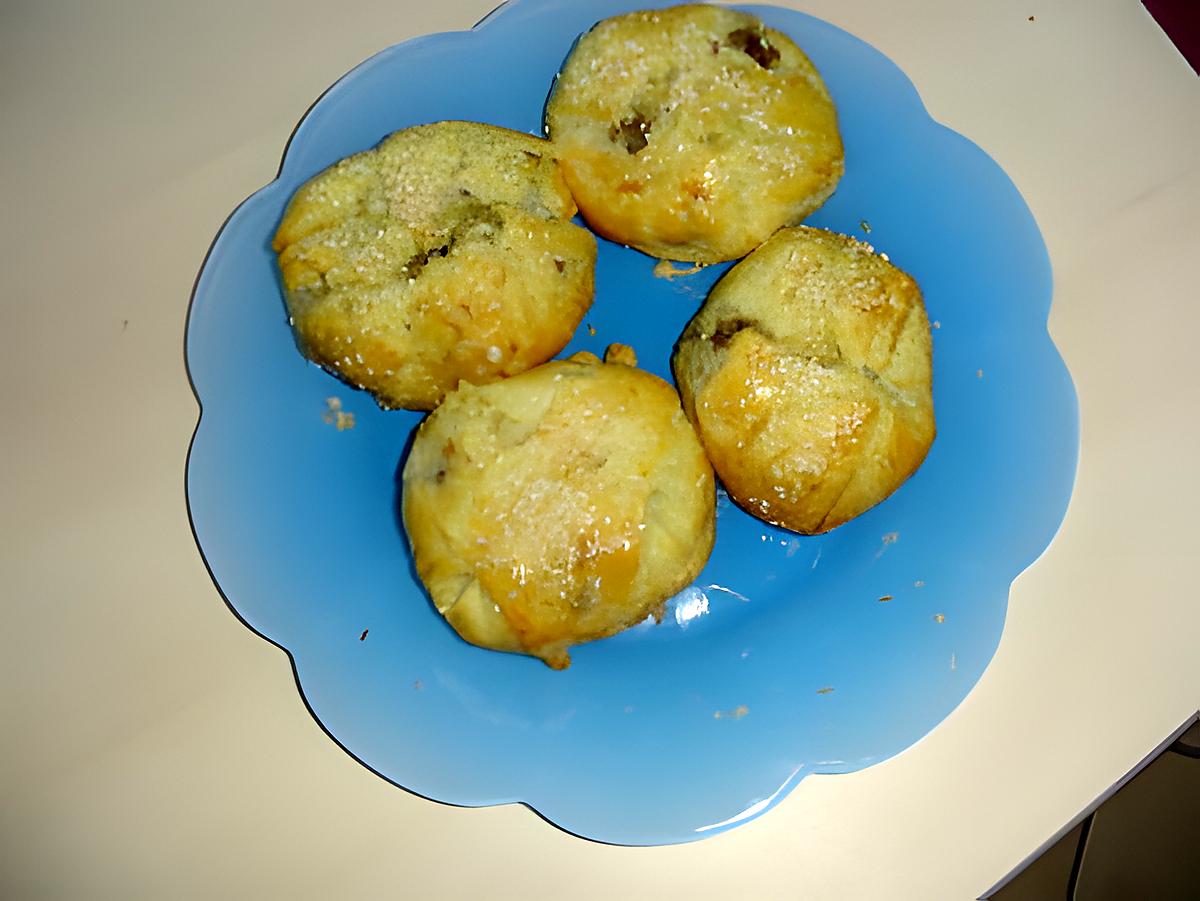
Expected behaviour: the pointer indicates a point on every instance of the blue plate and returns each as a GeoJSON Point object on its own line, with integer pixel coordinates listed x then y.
{"type": "Point", "coordinates": [784, 659]}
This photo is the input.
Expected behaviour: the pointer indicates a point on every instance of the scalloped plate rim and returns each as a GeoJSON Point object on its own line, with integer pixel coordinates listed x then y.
{"type": "Point", "coordinates": [536, 806]}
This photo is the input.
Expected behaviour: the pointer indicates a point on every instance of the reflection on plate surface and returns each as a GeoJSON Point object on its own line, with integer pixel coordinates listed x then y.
{"type": "Point", "coordinates": [790, 655]}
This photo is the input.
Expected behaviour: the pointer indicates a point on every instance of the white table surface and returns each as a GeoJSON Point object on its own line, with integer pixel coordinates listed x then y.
{"type": "Point", "coordinates": [153, 747]}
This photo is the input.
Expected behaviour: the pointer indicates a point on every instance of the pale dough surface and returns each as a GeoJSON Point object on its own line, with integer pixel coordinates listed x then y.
{"type": "Point", "coordinates": [558, 506]}
{"type": "Point", "coordinates": [444, 254]}
{"type": "Point", "coordinates": [808, 373]}
{"type": "Point", "coordinates": [694, 132]}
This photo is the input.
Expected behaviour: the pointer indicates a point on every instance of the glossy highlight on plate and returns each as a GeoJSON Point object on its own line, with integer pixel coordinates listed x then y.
{"type": "Point", "coordinates": [784, 658]}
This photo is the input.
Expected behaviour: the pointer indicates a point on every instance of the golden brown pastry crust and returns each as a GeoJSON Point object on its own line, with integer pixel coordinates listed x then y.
{"type": "Point", "coordinates": [559, 506]}
{"type": "Point", "coordinates": [444, 254]}
{"type": "Point", "coordinates": [808, 375]}
{"type": "Point", "coordinates": [693, 132]}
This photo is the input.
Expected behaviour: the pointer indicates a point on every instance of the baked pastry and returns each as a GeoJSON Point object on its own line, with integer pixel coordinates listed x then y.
{"type": "Point", "coordinates": [694, 132]}
{"type": "Point", "coordinates": [807, 373]}
{"type": "Point", "coordinates": [558, 506]}
{"type": "Point", "coordinates": [445, 254]}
